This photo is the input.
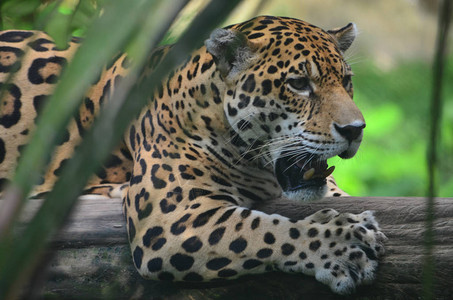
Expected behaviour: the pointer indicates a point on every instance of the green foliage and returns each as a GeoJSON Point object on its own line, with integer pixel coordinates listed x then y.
{"type": "Point", "coordinates": [60, 19]}
{"type": "Point", "coordinates": [396, 106]}
{"type": "Point", "coordinates": [19, 13]}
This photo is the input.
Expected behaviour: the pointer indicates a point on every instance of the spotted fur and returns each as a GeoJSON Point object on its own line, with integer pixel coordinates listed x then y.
{"type": "Point", "coordinates": [251, 115]}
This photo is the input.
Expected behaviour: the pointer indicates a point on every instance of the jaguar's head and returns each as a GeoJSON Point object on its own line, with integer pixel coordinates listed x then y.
{"type": "Point", "coordinates": [289, 88]}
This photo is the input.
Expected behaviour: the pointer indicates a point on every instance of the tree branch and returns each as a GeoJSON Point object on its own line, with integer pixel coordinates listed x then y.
{"type": "Point", "coordinates": [92, 257]}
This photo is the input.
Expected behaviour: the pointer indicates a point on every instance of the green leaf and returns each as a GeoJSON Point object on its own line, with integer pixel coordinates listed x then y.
{"type": "Point", "coordinates": [20, 8]}
{"type": "Point", "coordinates": [18, 13]}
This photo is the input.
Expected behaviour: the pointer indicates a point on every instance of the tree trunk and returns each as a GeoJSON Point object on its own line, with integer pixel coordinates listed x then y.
{"type": "Point", "coordinates": [91, 256]}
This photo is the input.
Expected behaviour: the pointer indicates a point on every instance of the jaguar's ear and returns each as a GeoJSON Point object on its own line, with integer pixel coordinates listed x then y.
{"type": "Point", "coordinates": [231, 50]}
{"type": "Point", "coordinates": [344, 36]}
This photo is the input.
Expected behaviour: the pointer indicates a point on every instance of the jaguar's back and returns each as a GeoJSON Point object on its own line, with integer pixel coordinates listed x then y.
{"type": "Point", "coordinates": [30, 67]}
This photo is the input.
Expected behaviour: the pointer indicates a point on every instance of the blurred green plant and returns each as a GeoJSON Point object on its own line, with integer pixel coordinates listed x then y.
{"type": "Point", "coordinates": [140, 19]}
{"type": "Point", "coordinates": [61, 19]}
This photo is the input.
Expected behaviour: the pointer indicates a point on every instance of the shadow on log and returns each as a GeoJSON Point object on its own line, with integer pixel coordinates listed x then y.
{"type": "Point", "coordinates": [92, 257]}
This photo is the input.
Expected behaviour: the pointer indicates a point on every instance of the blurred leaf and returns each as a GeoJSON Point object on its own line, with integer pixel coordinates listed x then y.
{"type": "Point", "coordinates": [18, 13]}
{"type": "Point", "coordinates": [57, 25]}
{"type": "Point", "coordinates": [20, 8]}
{"type": "Point", "coordinates": [83, 16]}
{"type": "Point", "coordinates": [45, 15]}
{"type": "Point", "coordinates": [61, 19]}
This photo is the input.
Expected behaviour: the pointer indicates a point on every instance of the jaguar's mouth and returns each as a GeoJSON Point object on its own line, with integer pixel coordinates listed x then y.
{"type": "Point", "coordinates": [294, 174]}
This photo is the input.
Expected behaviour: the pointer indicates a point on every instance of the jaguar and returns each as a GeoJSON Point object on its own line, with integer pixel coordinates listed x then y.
{"type": "Point", "coordinates": [252, 116]}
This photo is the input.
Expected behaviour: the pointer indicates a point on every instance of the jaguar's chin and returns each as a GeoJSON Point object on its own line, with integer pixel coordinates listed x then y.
{"type": "Point", "coordinates": [308, 194]}
{"type": "Point", "coordinates": [302, 179]}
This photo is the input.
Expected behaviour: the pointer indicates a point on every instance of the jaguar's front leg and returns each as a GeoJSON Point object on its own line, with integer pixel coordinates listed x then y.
{"type": "Point", "coordinates": [206, 239]}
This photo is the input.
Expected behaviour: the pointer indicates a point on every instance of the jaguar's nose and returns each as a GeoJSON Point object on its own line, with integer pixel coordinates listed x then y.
{"type": "Point", "coordinates": [350, 132]}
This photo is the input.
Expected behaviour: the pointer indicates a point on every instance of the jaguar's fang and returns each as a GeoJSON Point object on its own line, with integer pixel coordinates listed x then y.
{"type": "Point", "coordinates": [309, 174]}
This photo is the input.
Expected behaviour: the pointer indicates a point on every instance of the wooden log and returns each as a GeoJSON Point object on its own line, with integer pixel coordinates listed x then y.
{"type": "Point", "coordinates": [92, 257]}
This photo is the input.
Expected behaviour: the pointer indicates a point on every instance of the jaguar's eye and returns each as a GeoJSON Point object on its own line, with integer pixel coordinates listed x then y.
{"type": "Point", "coordinates": [347, 82]}
{"type": "Point", "coordinates": [300, 84]}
